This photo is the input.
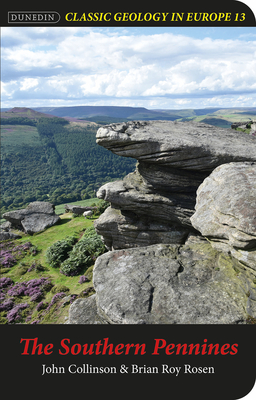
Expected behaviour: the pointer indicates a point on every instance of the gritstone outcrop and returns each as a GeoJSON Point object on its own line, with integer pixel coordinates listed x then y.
{"type": "Point", "coordinates": [167, 263]}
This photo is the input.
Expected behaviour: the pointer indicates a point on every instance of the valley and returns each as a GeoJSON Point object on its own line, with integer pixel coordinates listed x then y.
{"type": "Point", "coordinates": [50, 153]}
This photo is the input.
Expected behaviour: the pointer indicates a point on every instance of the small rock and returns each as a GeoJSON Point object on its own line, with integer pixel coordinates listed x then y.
{"type": "Point", "coordinates": [8, 235]}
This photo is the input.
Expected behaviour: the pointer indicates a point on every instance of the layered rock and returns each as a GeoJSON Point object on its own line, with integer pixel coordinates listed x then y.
{"type": "Point", "coordinates": [154, 204]}
{"type": "Point", "coordinates": [185, 145]}
{"type": "Point", "coordinates": [36, 217]}
{"type": "Point", "coordinates": [226, 210]}
{"type": "Point", "coordinates": [124, 229]}
{"type": "Point", "coordinates": [146, 211]}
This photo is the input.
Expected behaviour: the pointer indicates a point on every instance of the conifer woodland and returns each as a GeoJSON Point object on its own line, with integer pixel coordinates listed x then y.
{"type": "Point", "coordinates": [52, 159]}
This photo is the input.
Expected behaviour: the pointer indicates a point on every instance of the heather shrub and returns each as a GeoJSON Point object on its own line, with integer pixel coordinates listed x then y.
{"type": "Point", "coordinates": [33, 250]}
{"type": "Point", "coordinates": [4, 282]}
{"type": "Point", "coordinates": [56, 297]}
{"type": "Point", "coordinates": [59, 251]}
{"type": "Point", "coordinates": [7, 260]}
{"type": "Point", "coordinates": [36, 266]}
{"type": "Point", "coordinates": [83, 279]}
{"type": "Point", "coordinates": [15, 314]}
{"type": "Point", "coordinates": [41, 306]}
{"type": "Point", "coordinates": [7, 305]}
{"type": "Point", "coordinates": [17, 290]}
{"type": "Point", "coordinates": [10, 253]}
{"type": "Point", "coordinates": [87, 292]}
{"type": "Point", "coordinates": [33, 288]}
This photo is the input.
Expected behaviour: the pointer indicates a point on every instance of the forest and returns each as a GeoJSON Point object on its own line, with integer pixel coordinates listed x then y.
{"type": "Point", "coordinates": [49, 159]}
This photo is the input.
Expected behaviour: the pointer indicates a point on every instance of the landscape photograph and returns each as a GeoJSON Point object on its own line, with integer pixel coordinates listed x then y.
{"type": "Point", "coordinates": [128, 175]}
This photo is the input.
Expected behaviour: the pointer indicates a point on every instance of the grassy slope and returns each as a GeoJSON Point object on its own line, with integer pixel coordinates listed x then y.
{"type": "Point", "coordinates": [84, 203]}
{"type": "Point", "coordinates": [67, 227]}
{"type": "Point", "coordinates": [18, 135]}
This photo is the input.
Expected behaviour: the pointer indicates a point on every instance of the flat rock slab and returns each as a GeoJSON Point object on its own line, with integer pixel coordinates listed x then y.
{"type": "Point", "coordinates": [185, 145]}
{"type": "Point", "coordinates": [170, 284]}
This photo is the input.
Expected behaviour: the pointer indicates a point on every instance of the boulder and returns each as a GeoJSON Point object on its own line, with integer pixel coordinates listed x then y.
{"type": "Point", "coordinates": [38, 216]}
{"type": "Point", "coordinates": [226, 210]}
{"type": "Point", "coordinates": [168, 284]}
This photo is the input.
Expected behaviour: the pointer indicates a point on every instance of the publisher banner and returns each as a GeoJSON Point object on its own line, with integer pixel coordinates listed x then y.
{"type": "Point", "coordinates": [229, 13]}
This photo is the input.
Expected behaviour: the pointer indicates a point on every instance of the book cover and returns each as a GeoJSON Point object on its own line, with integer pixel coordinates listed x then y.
{"type": "Point", "coordinates": [171, 303]}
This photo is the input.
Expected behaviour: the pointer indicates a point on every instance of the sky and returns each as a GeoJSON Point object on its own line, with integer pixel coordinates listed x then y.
{"type": "Point", "coordinates": [156, 68]}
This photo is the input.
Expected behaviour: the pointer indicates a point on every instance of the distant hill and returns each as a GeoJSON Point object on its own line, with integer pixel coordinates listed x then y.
{"type": "Point", "coordinates": [109, 111]}
{"type": "Point", "coordinates": [24, 113]}
{"type": "Point", "coordinates": [222, 117]}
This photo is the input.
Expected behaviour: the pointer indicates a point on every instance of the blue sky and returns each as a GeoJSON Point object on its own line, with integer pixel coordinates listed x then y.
{"type": "Point", "coordinates": [167, 68]}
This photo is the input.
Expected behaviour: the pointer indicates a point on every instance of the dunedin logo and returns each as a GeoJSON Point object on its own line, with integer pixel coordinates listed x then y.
{"type": "Point", "coordinates": [33, 17]}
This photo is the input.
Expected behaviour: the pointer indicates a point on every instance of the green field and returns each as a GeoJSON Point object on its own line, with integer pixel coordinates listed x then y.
{"type": "Point", "coordinates": [60, 209]}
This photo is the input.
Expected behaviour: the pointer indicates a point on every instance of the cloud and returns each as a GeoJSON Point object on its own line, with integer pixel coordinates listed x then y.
{"type": "Point", "coordinates": [89, 66]}
{"type": "Point", "coordinates": [28, 83]}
